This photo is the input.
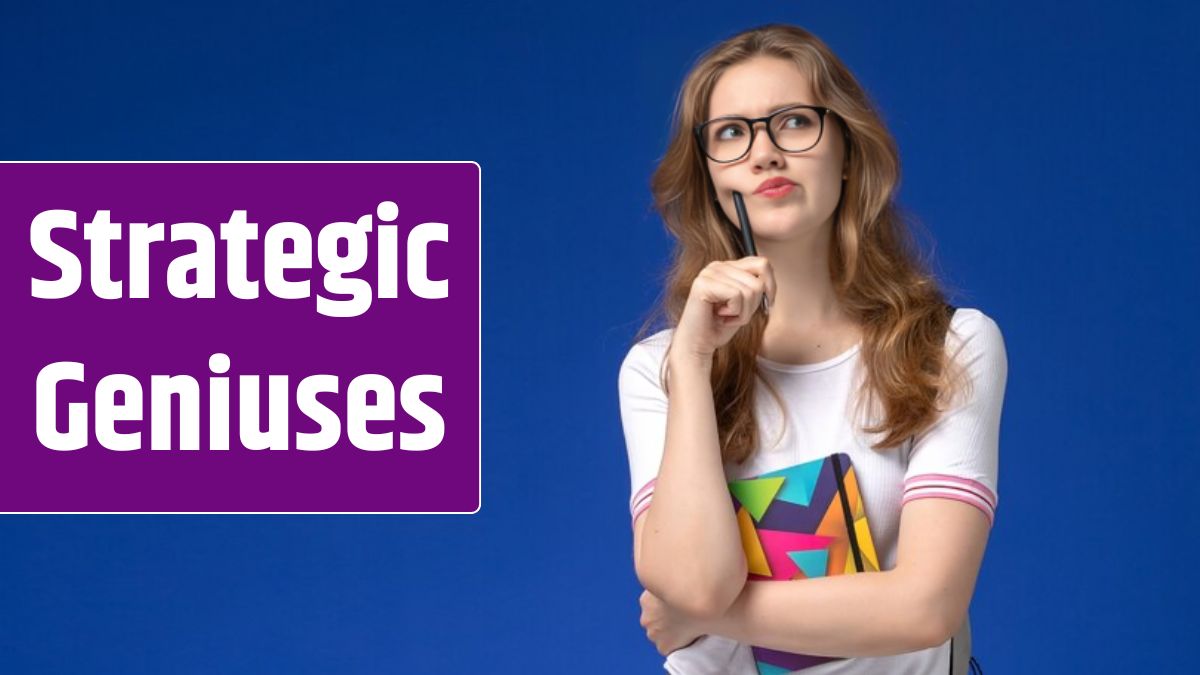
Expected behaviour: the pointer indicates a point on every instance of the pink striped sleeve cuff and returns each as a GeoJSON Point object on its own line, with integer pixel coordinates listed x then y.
{"type": "Point", "coordinates": [951, 487]}
{"type": "Point", "coordinates": [641, 500]}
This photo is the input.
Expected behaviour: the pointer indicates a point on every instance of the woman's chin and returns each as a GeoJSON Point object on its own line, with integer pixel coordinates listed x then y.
{"type": "Point", "coordinates": [784, 230]}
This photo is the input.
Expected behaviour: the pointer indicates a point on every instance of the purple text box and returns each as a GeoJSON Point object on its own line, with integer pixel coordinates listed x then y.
{"type": "Point", "coordinates": [397, 338]}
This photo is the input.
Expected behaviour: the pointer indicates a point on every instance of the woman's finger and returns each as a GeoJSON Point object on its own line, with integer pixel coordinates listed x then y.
{"type": "Point", "coordinates": [761, 268]}
{"type": "Point", "coordinates": [752, 286]}
{"type": "Point", "coordinates": [721, 292]}
{"type": "Point", "coordinates": [750, 280]}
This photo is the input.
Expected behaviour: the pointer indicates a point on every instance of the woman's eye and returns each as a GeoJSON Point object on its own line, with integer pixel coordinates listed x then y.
{"type": "Point", "coordinates": [728, 131]}
{"type": "Point", "coordinates": [795, 121]}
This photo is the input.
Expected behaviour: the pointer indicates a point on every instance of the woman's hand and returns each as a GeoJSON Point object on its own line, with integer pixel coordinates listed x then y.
{"type": "Point", "coordinates": [723, 298]}
{"type": "Point", "coordinates": [668, 628]}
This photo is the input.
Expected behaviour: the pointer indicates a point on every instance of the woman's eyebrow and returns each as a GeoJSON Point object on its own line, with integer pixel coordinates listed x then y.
{"type": "Point", "coordinates": [788, 105]}
{"type": "Point", "coordinates": [775, 109]}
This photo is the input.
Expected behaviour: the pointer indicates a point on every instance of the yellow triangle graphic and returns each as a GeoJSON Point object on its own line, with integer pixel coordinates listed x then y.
{"type": "Point", "coordinates": [866, 545]}
{"type": "Point", "coordinates": [756, 559]}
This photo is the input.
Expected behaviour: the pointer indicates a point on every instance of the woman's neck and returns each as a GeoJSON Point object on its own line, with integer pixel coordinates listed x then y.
{"type": "Point", "coordinates": [807, 323]}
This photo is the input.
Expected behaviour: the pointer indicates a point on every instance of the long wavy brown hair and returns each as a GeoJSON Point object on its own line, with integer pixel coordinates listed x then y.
{"type": "Point", "coordinates": [877, 271]}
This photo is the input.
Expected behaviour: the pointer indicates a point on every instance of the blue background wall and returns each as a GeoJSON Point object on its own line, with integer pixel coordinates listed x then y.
{"type": "Point", "coordinates": [1051, 152]}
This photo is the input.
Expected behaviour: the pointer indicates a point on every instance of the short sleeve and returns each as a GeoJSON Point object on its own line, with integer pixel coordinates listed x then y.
{"type": "Point", "coordinates": [958, 457]}
{"type": "Point", "coordinates": [643, 416]}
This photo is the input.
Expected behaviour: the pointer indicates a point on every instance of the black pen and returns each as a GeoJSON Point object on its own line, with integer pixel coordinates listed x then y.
{"type": "Point", "coordinates": [747, 236]}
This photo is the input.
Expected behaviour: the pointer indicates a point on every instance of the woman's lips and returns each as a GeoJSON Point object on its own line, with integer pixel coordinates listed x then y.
{"type": "Point", "coordinates": [777, 191]}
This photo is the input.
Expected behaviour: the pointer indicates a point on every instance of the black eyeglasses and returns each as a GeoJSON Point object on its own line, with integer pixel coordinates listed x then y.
{"type": "Point", "coordinates": [794, 129]}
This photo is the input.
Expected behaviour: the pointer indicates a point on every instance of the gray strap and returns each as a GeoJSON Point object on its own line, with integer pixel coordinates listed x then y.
{"type": "Point", "coordinates": [960, 649]}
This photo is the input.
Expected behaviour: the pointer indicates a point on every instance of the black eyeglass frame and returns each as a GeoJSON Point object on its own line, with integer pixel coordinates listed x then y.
{"type": "Point", "coordinates": [698, 130]}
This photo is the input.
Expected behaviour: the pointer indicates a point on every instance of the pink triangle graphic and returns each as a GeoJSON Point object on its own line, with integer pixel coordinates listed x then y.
{"type": "Point", "coordinates": [777, 545]}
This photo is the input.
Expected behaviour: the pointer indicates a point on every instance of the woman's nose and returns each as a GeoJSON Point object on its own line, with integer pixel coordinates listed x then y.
{"type": "Point", "coordinates": [763, 152]}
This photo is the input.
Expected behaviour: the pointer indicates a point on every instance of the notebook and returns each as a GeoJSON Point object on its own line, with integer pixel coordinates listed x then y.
{"type": "Point", "coordinates": [793, 523]}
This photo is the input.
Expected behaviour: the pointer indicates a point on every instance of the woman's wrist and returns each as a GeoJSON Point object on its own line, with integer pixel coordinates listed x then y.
{"type": "Point", "coordinates": [683, 358]}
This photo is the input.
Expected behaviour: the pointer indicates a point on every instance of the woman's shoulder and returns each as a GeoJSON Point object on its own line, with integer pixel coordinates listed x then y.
{"type": "Point", "coordinates": [971, 324]}
{"type": "Point", "coordinates": [654, 345]}
{"type": "Point", "coordinates": [646, 356]}
{"type": "Point", "coordinates": [976, 340]}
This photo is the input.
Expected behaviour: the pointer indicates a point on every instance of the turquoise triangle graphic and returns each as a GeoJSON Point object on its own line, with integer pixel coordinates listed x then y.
{"type": "Point", "coordinates": [800, 481]}
{"type": "Point", "coordinates": [812, 563]}
{"type": "Point", "coordinates": [768, 669]}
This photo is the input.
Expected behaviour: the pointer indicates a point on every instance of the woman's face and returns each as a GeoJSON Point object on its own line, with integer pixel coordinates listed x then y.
{"type": "Point", "coordinates": [757, 88]}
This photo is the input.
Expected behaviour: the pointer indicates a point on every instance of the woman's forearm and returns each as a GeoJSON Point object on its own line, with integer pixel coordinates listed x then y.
{"type": "Point", "coordinates": [867, 614]}
{"type": "Point", "coordinates": [691, 543]}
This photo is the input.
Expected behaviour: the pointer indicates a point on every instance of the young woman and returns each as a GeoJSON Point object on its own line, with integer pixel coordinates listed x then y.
{"type": "Point", "coordinates": [858, 353]}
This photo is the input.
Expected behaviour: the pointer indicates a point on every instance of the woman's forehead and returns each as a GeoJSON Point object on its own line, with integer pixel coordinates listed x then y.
{"type": "Point", "coordinates": [759, 87]}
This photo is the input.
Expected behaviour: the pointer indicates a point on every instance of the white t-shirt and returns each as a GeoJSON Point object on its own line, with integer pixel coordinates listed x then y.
{"type": "Point", "coordinates": [957, 458]}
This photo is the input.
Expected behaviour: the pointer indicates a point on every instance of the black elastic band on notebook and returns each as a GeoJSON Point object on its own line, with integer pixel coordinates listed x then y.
{"type": "Point", "coordinates": [845, 499]}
